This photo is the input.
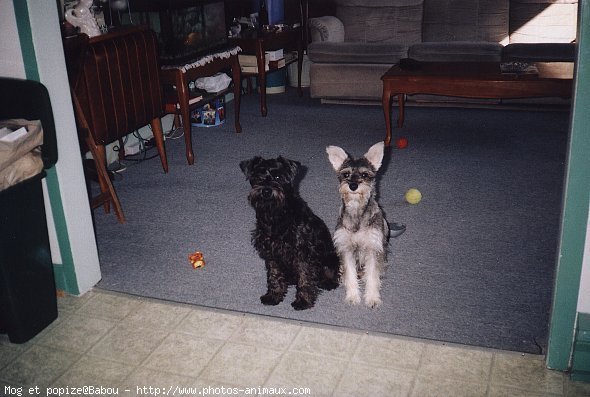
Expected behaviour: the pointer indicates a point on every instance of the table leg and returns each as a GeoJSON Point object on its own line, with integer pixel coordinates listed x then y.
{"type": "Point", "coordinates": [261, 61]}
{"type": "Point", "coordinates": [237, 80]}
{"type": "Point", "coordinates": [401, 101]}
{"type": "Point", "coordinates": [386, 102]}
{"type": "Point", "coordinates": [183, 97]}
{"type": "Point", "coordinates": [299, 66]}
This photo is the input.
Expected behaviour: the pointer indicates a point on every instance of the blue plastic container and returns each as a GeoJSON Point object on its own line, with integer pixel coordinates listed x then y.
{"type": "Point", "coordinates": [276, 11]}
{"type": "Point", "coordinates": [210, 115]}
{"type": "Point", "coordinates": [276, 81]}
{"type": "Point", "coordinates": [275, 8]}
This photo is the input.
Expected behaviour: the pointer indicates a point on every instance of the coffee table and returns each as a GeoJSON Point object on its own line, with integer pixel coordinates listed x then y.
{"type": "Point", "coordinates": [470, 80]}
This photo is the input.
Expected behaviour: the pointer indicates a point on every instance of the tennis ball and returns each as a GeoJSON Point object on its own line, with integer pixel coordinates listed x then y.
{"type": "Point", "coordinates": [413, 196]}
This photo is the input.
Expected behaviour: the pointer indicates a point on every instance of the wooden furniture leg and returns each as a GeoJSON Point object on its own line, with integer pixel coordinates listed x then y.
{"type": "Point", "coordinates": [108, 194]}
{"type": "Point", "coordinates": [183, 97]}
{"type": "Point", "coordinates": [237, 80]}
{"type": "Point", "coordinates": [401, 101]}
{"type": "Point", "coordinates": [299, 66]}
{"type": "Point", "coordinates": [260, 58]}
{"type": "Point", "coordinates": [156, 124]}
{"type": "Point", "coordinates": [386, 103]}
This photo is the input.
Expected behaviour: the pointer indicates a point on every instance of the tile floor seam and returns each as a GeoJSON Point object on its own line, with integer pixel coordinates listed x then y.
{"type": "Point", "coordinates": [350, 361]}
{"type": "Point", "coordinates": [491, 374]}
{"type": "Point", "coordinates": [153, 350]}
{"type": "Point", "coordinates": [52, 381]}
{"type": "Point", "coordinates": [283, 353]}
{"type": "Point", "coordinates": [95, 297]}
{"type": "Point", "coordinates": [418, 369]}
{"type": "Point", "coordinates": [221, 346]}
{"type": "Point", "coordinates": [17, 355]}
{"type": "Point", "coordinates": [87, 350]}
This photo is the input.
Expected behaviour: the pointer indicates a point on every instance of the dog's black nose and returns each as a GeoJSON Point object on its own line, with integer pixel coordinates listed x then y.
{"type": "Point", "coordinates": [353, 186]}
{"type": "Point", "coordinates": [267, 192]}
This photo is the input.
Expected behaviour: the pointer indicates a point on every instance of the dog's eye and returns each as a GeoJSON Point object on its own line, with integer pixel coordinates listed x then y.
{"type": "Point", "coordinates": [345, 174]}
{"type": "Point", "coordinates": [365, 175]}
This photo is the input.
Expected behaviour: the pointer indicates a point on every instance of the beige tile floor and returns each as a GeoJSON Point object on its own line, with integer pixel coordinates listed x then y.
{"type": "Point", "coordinates": [142, 347]}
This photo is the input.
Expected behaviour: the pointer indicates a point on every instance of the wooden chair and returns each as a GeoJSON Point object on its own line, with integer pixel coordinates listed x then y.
{"type": "Point", "coordinates": [115, 85]}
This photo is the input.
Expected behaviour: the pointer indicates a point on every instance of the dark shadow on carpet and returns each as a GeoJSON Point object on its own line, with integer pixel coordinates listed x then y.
{"type": "Point", "coordinates": [475, 266]}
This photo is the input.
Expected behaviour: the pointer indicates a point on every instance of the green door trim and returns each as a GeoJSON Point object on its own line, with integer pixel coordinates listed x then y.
{"type": "Point", "coordinates": [576, 199]}
{"type": "Point", "coordinates": [65, 274]}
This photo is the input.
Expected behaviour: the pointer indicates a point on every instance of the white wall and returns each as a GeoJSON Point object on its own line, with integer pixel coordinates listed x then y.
{"type": "Point", "coordinates": [584, 295]}
{"type": "Point", "coordinates": [46, 35]}
{"type": "Point", "coordinates": [11, 61]}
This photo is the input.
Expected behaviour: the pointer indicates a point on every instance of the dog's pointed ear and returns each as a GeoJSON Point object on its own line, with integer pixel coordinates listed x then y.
{"type": "Point", "coordinates": [247, 165]}
{"type": "Point", "coordinates": [292, 165]}
{"type": "Point", "coordinates": [375, 155]}
{"type": "Point", "coordinates": [337, 156]}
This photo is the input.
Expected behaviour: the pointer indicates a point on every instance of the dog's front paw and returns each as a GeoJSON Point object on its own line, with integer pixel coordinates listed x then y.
{"type": "Point", "coordinates": [373, 301]}
{"type": "Point", "coordinates": [353, 297]}
{"type": "Point", "coordinates": [301, 304]}
{"type": "Point", "coordinates": [329, 285]}
{"type": "Point", "coordinates": [271, 299]}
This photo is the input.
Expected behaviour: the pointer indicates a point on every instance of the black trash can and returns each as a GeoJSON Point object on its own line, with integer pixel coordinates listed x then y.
{"type": "Point", "coordinates": [28, 301]}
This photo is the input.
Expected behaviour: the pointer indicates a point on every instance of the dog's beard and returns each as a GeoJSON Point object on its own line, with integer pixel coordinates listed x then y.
{"type": "Point", "coordinates": [273, 198]}
{"type": "Point", "coordinates": [355, 199]}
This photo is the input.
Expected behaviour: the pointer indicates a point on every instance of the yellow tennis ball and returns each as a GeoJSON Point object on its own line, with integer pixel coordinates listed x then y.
{"type": "Point", "coordinates": [413, 196]}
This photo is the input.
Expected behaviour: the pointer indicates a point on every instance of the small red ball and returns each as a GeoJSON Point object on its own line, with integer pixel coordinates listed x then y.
{"type": "Point", "coordinates": [401, 142]}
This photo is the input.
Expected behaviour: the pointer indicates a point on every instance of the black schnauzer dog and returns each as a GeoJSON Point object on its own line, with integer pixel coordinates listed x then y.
{"type": "Point", "coordinates": [295, 244]}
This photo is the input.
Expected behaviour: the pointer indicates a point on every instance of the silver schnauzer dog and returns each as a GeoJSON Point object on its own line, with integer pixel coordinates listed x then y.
{"type": "Point", "coordinates": [362, 232]}
{"type": "Point", "coordinates": [295, 244]}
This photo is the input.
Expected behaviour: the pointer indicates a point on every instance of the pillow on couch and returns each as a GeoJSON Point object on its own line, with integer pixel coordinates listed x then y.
{"type": "Point", "coordinates": [456, 51]}
{"type": "Point", "coordinates": [380, 21]}
{"type": "Point", "coordinates": [327, 52]}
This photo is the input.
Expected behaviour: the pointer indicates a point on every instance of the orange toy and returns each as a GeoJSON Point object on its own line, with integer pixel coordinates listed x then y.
{"type": "Point", "coordinates": [401, 142]}
{"type": "Point", "coordinates": [196, 260]}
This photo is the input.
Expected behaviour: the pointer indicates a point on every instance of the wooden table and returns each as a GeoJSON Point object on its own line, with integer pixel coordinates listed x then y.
{"type": "Point", "coordinates": [261, 42]}
{"type": "Point", "coordinates": [470, 80]}
{"type": "Point", "coordinates": [180, 77]}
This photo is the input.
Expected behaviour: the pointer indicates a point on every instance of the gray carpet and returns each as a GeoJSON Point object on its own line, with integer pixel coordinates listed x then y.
{"type": "Point", "coordinates": [475, 266]}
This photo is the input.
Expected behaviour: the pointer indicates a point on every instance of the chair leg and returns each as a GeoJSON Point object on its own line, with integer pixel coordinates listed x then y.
{"type": "Point", "coordinates": [156, 124]}
{"type": "Point", "coordinates": [108, 194]}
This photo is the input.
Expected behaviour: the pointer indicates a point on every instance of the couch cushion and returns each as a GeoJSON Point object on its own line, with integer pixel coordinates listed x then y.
{"type": "Point", "coordinates": [543, 21]}
{"type": "Point", "coordinates": [456, 51]}
{"type": "Point", "coordinates": [539, 52]}
{"type": "Point", "coordinates": [327, 52]}
{"type": "Point", "coordinates": [381, 21]}
{"type": "Point", "coordinates": [466, 20]}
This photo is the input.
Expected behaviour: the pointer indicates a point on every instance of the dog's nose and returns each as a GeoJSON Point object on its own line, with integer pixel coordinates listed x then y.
{"type": "Point", "coordinates": [353, 186]}
{"type": "Point", "coordinates": [266, 192]}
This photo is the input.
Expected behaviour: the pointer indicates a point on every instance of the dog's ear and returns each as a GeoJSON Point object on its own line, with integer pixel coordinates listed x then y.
{"type": "Point", "coordinates": [247, 165]}
{"type": "Point", "coordinates": [375, 155]}
{"type": "Point", "coordinates": [337, 156]}
{"type": "Point", "coordinates": [292, 166]}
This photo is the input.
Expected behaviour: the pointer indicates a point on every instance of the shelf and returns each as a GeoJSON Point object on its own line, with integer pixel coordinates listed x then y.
{"type": "Point", "coordinates": [170, 97]}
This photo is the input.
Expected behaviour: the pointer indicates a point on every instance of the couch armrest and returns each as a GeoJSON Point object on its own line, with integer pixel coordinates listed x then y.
{"type": "Point", "coordinates": [327, 28]}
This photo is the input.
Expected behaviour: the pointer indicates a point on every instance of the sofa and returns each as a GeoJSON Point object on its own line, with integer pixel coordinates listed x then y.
{"type": "Point", "coordinates": [351, 50]}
